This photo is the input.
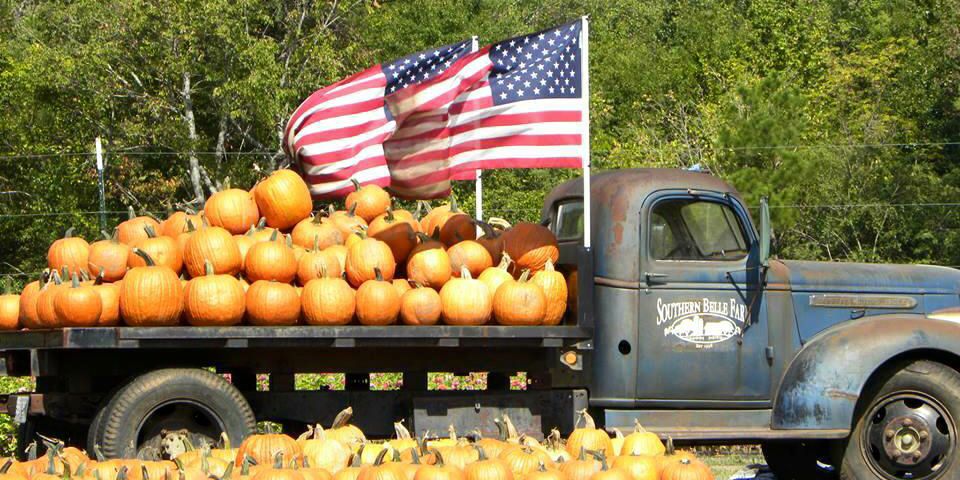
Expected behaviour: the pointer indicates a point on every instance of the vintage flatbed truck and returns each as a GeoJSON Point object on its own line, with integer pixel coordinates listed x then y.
{"type": "Point", "coordinates": [680, 319]}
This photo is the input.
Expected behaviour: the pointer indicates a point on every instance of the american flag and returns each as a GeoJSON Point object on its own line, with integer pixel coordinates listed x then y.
{"type": "Point", "coordinates": [419, 122]}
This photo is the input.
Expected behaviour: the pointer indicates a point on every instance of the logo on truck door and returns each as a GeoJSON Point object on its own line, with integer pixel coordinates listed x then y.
{"type": "Point", "coordinates": [703, 322]}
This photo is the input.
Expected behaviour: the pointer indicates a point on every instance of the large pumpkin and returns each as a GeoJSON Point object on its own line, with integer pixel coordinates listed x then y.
{"type": "Point", "coordinates": [642, 442]}
{"type": "Point", "coordinates": [72, 252]}
{"type": "Point", "coordinates": [110, 256]}
{"type": "Point", "coordinates": [686, 469]}
{"type": "Point", "coordinates": [523, 460]}
{"type": "Point", "coordinates": [284, 199]}
{"type": "Point", "coordinates": [588, 437]}
{"type": "Point", "coordinates": [163, 251]}
{"type": "Point", "coordinates": [263, 449]}
{"type": "Point", "coordinates": [530, 245]}
{"type": "Point", "coordinates": [214, 300]}
{"type": "Point", "coordinates": [233, 209]}
{"type": "Point", "coordinates": [347, 221]}
{"type": "Point", "coordinates": [9, 309]}
{"type": "Point", "coordinates": [465, 301]}
{"type": "Point", "coordinates": [272, 260]}
{"type": "Point", "coordinates": [399, 235]}
{"type": "Point", "coordinates": [109, 301]}
{"type": "Point", "coordinates": [132, 230]}
{"type": "Point", "coordinates": [46, 310]}
{"type": "Point", "coordinates": [377, 301]}
{"type": "Point", "coordinates": [582, 467]}
{"type": "Point", "coordinates": [213, 244]}
{"type": "Point", "coordinates": [493, 277]}
{"type": "Point", "coordinates": [28, 302]}
{"type": "Point", "coordinates": [322, 452]}
{"type": "Point", "coordinates": [554, 288]}
{"type": "Point", "coordinates": [272, 304]}
{"type": "Point", "coordinates": [77, 305]}
{"type": "Point", "coordinates": [429, 264]}
{"type": "Point", "coordinates": [367, 255]}
{"type": "Point", "coordinates": [640, 467]}
{"type": "Point", "coordinates": [471, 255]}
{"type": "Point", "coordinates": [328, 301]}
{"type": "Point", "coordinates": [519, 302]}
{"type": "Point", "coordinates": [151, 296]}
{"type": "Point", "coordinates": [370, 201]}
{"type": "Point", "coordinates": [176, 223]}
{"type": "Point", "coordinates": [313, 232]}
{"type": "Point", "coordinates": [487, 468]}
{"type": "Point", "coordinates": [312, 262]}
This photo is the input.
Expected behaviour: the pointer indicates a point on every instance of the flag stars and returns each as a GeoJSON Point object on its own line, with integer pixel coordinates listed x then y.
{"type": "Point", "coordinates": [519, 93]}
{"type": "Point", "coordinates": [536, 91]}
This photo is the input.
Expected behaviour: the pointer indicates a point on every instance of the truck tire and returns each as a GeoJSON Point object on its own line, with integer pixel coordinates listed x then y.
{"type": "Point", "coordinates": [799, 460]}
{"type": "Point", "coordinates": [191, 402]}
{"type": "Point", "coordinates": [907, 427]}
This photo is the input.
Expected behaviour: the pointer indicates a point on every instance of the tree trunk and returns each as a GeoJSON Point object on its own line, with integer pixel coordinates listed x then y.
{"type": "Point", "coordinates": [199, 197]}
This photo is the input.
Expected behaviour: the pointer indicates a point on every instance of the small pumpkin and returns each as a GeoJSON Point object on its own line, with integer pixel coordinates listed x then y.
{"type": "Point", "coordinates": [46, 310]}
{"type": "Point", "coordinates": [347, 221]}
{"type": "Point", "coordinates": [322, 452]}
{"type": "Point", "coordinates": [109, 301]}
{"type": "Point", "coordinates": [640, 467]}
{"type": "Point", "coordinates": [343, 431]}
{"type": "Point", "coordinates": [244, 243]}
{"type": "Point", "coordinates": [110, 256]}
{"type": "Point", "coordinates": [401, 285]}
{"type": "Point", "coordinates": [420, 306]}
{"type": "Point", "coordinates": [262, 233]}
{"type": "Point", "coordinates": [78, 305]}
{"type": "Point", "coordinates": [465, 301]}
{"type": "Point", "coordinates": [328, 301]}
{"type": "Point", "coordinates": [486, 468]}
{"type": "Point", "coordinates": [554, 447]}
{"type": "Point", "coordinates": [284, 199]}
{"type": "Point", "coordinates": [176, 223]}
{"type": "Point", "coordinates": [366, 256]}
{"type": "Point", "coordinates": [429, 264]}
{"type": "Point", "coordinates": [213, 244]}
{"type": "Point", "coordinates": [588, 437]}
{"type": "Point", "coordinates": [554, 288]}
{"type": "Point", "coordinates": [28, 316]}
{"type": "Point", "coordinates": [583, 467]}
{"type": "Point", "coordinates": [72, 252]}
{"type": "Point", "coordinates": [642, 442]}
{"type": "Point", "coordinates": [519, 302]}
{"type": "Point", "coordinates": [339, 251]}
{"type": "Point", "coordinates": [264, 448]}
{"type": "Point", "coordinates": [470, 254]}
{"type": "Point", "coordinates": [272, 303]}
{"type": "Point", "coordinates": [150, 295]}
{"type": "Point", "coordinates": [213, 300]}
{"type": "Point", "coordinates": [399, 235]}
{"type": "Point", "coordinates": [369, 201]}
{"type": "Point", "coordinates": [607, 473]}
{"type": "Point", "coordinates": [313, 232]}
{"type": "Point", "coordinates": [272, 260]}
{"type": "Point", "coordinates": [163, 251]}
{"type": "Point", "coordinates": [132, 230]}
{"type": "Point", "coordinates": [377, 301]}
{"type": "Point", "coordinates": [309, 266]}
{"type": "Point", "coordinates": [184, 237]}
{"type": "Point", "coordinates": [523, 460]}
{"type": "Point", "coordinates": [454, 226]}
{"type": "Point", "coordinates": [530, 245]}
{"type": "Point", "coordinates": [493, 277]}
{"type": "Point", "coordinates": [544, 473]}
{"type": "Point", "coordinates": [232, 209]}
{"type": "Point", "coordinates": [686, 469]}
{"type": "Point", "coordinates": [9, 309]}
{"type": "Point", "coordinates": [491, 239]}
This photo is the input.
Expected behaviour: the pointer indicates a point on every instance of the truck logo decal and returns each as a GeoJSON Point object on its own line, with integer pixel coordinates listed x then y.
{"type": "Point", "coordinates": [702, 322]}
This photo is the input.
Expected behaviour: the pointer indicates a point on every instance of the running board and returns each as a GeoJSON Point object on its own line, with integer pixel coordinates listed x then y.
{"type": "Point", "coordinates": [712, 425]}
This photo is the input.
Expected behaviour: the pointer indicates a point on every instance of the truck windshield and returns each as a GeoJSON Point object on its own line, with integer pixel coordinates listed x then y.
{"type": "Point", "coordinates": [689, 229]}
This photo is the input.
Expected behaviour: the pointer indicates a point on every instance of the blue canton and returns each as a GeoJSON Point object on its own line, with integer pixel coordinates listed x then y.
{"type": "Point", "coordinates": [422, 66]}
{"type": "Point", "coordinates": [540, 65]}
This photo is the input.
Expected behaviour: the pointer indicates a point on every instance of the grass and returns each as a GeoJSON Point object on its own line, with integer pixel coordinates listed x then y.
{"type": "Point", "coordinates": [726, 461]}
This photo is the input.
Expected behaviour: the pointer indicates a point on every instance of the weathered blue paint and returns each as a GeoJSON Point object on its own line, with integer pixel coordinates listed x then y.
{"type": "Point", "coordinates": [824, 381]}
{"type": "Point", "coordinates": [872, 278]}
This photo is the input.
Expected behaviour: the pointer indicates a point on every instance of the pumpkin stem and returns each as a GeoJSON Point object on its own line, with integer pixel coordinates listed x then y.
{"type": "Point", "coordinates": [380, 457]}
{"type": "Point", "coordinates": [145, 256]}
{"type": "Point", "coordinates": [436, 453]}
{"type": "Point", "coordinates": [542, 467]}
{"type": "Point", "coordinates": [505, 262]}
{"type": "Point", "coordinates": [131, 214]}
{"type": "Point", "coordinates": [317, 218]}
{"type": "Point", "coordinates": [6, 466]}
{"type": "Point", "coordinates": [122, 473]}
{"type": "Point", "coordinates": [289, 238]}
{"type": "Point", "coordinates": [104, 234]}
{"type": "Point", "coordinates": [227, 473]}
{"type": "Point", "coordinates": [636, 425]}
{"type": "Point", "coordinates": [481, 455]}
{"type": "Point", "coordinates": [262, 223]}
{"type": "Point", "coordinates": [32, 451]}
{"type": "Point", "coordinates": [316, 243]}
{"type": "Point", "coordinates": [502, 432]}
{"type": "Point", "coordinates": [356, 184]}
{"type": "Point", "coordinates": [524, 275]}
{"type": "Point", "coordinates": [144, 474]}
{"type": "Point", "coordinates": [306, 435]}
{"type": "Point", "coordinates": [353, 210]}
{"type": "Point", "coordinates": [454, 208]}
{"type": "Point", "coordinates": [499, 222]}
{"type": "Point", "coordinates": [190, 227]}
{"type": "Point", "coordinates": [453, 432]}
{"type": "Point", "coordinates": [378, 273]}
{"type": "Point", "coordinates": [342, 418]}
{"type": "Point", "coordinates": [488, 231]}
{"type": "Point", "coordinates": [151, 233]}
{"type": "Point", "coordinates": [330, 210]}
{"type": "Point", "coordinates": [511, 430]}
{"type": "Point", "coordinates": [273, 236]}
{"type": "Point", "coordinates": [414, 457]}
{"type": "Point", "coordinates": [355, 462]}
{"type": "Point", "coordinates": [549, 265]}
{"type": "Point", "coordinates": [670, 449]}
{"type": "Point", "coordinates": [245, 466]}
{"type": "Point", "coordinates": [68, 233]}
{"type": "Point", "coordinates": [402, 432]}
{"type": "Point", "coordinates": [278, 461]}
{"type": "Point", "coordinates": [465, 273]}
{"type": "Point", "coordinates": [390, 218]}
{"type": "Point", "coordinates": [602, 458]}
{"type": "Point", "coordinates": [419, 210]}
{"type": "Point", "coordinates": [225, 439]}
{"type": "Point", "coordinates": [583, 454]}
{"type": "Point", "coordinates": [618, 433]}
{"type": "Point", "coordinates": [75, 280]}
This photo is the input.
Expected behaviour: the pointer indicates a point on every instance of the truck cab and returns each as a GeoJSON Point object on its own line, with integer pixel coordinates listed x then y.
{"type": "Point", "coordinates": [701, 336]}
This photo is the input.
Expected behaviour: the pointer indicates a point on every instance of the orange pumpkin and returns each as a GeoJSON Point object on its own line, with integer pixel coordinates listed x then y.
{"type": "Point", "coordinates": [401, 285]}
{"type": "Point", "coordinates": [339, 251]}
{"type": "Point", "coordinates": [588, 437]}
{"type": "Point", "coordinates": [544, 473]}
{"type": "Point", "coordinates": [530, 245]}
{"type": "Point", "coordinates": [346, 221]}
{"type": "Point", "coordinates": [470, 254]}
{"type": "Point", "coordinates": [398, 234]}
{"type": "Point", "coordinates": [163, 251]}
{"type": "Point", "coordinates": [72, 252]}
{"type": "Point", "coordinates": [640, 467]}
{"type": "Point", "coordinates": [377, 301]}
{"type": "Point", "coordinates": [264, 448]}
{"type": "Point", "coordinates": [272, 303]}
{"type": "Point", "coordinates": [176, 223]}
{"type": "Point", "coordinates": [244, 243]}
{"type": "Point", "coordinates": [686, 469]}
{"type": "Point", "coordinates": [642, 442]}
{"type": "Point", "coordinates": [328, 301]}
{"type": "Point", "coordinates": [110, 256]}
{"type": "Point", "coordinates": [233, 209]}
{"type": "Point", "coordinates": [491, 239]}
{"type": "Point", "coordinates": [487, 468]}
{"type": "Point", "coordinates": [453, 226]}
{"type": "Point", "coordinates": [77, 305]}
{"type": "Point", "coordinates": [271, 260]}
{"type": "Point", "coordinates": [151, 295]}
{"type": "Point", "coordinates": [284, 199]}
{"type": "Point", "coordinates": [311, 262]}
{"type": "Point", "coordinates": [184, 237]}
{"type": "Point", "coordinates": [554, 288]}
{"type": "Point", "coordinates": [313, 232]}
{"type": "Point", "coordinates": [262, 233]}
{"type": "Point", "coordinates": [46, 311]}
{"type": "Point", "coordinates": [523, 460]}
{"type": "Point", "coordinates": [370, 201]}
{"type": "Point", "coordinates": [132, 230]}
{"type": "Point", "coordinates": [519, 302]}
{"type": "Point", "coordinates": [420, 306]}
{"type": "Point", "coordinates": [465, 301]}
{"type": "Point", "coordinates": [582, 467]}
{"type": "Point", "coordinates": [607, 473]}
{"type": "Point", "coordinates": [214, 300]}
{"type": "Point", "coordinates": [364, 257]}
{"type": "Point", "coordinates": [9, 309]}
{"type": "Point", "coordinates": [28, 302]}
{"type": "Point", "coordinates": [109, 301]}
{"type": "Point", "coordinates": [213, 244]}
{"type": "Point", "coordinates": [429, 264]}
{"type": "Point", "coordinates": [443, 469]}
{"type": "Point", "coordinates": [321, 452]}
{"type": "Point", "coordinates": [493, 277]}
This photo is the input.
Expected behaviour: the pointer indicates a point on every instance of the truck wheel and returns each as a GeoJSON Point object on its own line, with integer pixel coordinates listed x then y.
{"type": "Point", "coordinates": [908, 430]}
{"type": "Point", "coordinates": [799, 460]}
{"type": "Point", "coordinates": [190, 402]}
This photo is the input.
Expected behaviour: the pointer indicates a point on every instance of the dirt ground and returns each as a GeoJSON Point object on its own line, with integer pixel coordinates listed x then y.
{"type": "Point", "coordinates": [728, 461]}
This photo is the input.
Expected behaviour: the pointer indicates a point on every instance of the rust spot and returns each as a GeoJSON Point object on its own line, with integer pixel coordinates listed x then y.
{"type": "Point", "coordinates": [618, 233]}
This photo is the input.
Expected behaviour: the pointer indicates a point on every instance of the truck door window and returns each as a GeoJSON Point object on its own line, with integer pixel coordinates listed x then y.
{"type": "Point", "coordinates": [690, 229]}
{"type": "Point", "coordinates": [569, 223]}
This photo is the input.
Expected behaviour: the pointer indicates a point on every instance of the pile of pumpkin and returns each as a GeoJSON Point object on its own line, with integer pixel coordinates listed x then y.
{"type": "Point", "coordinates": [265, 257]}
{"type": "Point", "coordinates": [343, 453]}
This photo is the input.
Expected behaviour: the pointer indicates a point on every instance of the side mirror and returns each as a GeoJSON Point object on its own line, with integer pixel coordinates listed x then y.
{"type": "Point", "coordinates": [765, 232]}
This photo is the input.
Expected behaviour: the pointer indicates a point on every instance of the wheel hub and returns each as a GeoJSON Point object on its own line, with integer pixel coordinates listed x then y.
{"type": "Point", "coordinates": [910, 436]}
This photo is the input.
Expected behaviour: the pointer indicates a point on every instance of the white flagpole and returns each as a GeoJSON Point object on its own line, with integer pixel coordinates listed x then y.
{"type": "Point", "coordinates": [585, 132]}
{"type": "Point", "coordinates": [478, 192]}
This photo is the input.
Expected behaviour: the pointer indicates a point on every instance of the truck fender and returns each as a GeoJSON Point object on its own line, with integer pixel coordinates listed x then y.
{"type": "Point", "coordinates": [823, 383]}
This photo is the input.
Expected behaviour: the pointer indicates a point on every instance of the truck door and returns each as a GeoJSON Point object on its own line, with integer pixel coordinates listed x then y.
{"type": "Point", "coordinates": [702, 321]}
